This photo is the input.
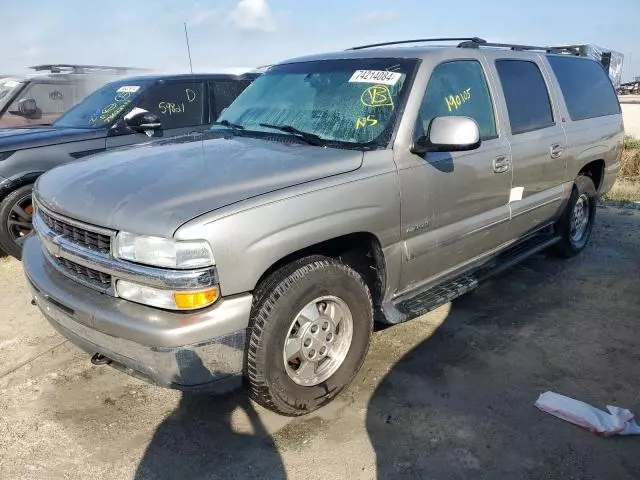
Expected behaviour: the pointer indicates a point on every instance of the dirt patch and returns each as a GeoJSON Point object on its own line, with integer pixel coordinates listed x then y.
{"type": "Point", "coordinates": [630, 164]}
{"type": "Point", "coordinates": [625, 191]}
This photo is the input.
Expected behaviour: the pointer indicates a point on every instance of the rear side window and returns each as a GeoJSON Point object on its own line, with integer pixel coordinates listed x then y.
{"type": "Point", "coordinates": [526, 94]}
{"type": "Point", "coordinates": [223, 93]}
{"type": "Point", "coordinates": [458, 88]}
{"type": "Point", "coordinates": [585, 86]}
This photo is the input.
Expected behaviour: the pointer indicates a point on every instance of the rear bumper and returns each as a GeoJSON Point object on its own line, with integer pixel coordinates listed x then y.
{"type": "Point", "coordinates": [198, 350]}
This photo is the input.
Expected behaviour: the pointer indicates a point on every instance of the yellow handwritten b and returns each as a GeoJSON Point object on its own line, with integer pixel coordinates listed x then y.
{"type": "Point", "coordinates": [377, 96]}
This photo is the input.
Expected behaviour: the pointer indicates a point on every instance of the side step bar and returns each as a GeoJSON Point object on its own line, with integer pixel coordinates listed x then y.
{"type": "Point", "coordinates": [417, 303]}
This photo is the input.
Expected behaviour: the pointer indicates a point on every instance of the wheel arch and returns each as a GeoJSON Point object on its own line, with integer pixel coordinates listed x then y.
{"type": "Point", "coordinates": [362, 251]}
{"type": "Point", "coordinates": [17, 181]}
{"type": "Point", "coordinates": [595, 171]}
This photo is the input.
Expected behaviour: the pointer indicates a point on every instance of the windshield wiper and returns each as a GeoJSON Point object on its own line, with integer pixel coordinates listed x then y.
{"type": "Point", "coordinates": [310, 138]}
{"type": "Point", "coordinates": [235, 127]}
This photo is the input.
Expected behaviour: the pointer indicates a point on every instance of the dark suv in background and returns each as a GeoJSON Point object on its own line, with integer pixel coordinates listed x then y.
{"type": "Point", "coordinates": [124, 112]}
{"type": "Point", "coordinates": [41, 98]}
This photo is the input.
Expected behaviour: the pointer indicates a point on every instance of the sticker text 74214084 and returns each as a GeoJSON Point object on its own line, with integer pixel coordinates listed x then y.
{"type": "Point", "coordinates": [380, 77]}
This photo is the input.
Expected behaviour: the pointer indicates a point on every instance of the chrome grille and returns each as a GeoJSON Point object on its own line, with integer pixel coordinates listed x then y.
{"type": "Point", "coordinates": [93, 240]}
{"type": "Point", "coordinates": [81, 252]}
{"type": "Point", "coordinates": [99, 279]}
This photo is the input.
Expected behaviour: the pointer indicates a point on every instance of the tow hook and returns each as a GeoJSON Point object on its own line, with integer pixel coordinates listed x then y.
{"type": "Point", "coordinates": [99, 359]}
{"type": "Point", "coordinates": [34, 302]}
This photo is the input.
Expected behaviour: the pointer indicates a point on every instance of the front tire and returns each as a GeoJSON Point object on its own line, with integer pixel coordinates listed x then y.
{"type": "Point", "coordinates": [16, 211]}
{"type": "Point", "coordinates": [309, 333]}
{"type": "Point", "coordinates": [576, 223]}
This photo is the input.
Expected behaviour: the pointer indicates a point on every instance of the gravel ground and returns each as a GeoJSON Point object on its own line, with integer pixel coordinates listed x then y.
{"type": "Point", "coordinates": [446, 396]}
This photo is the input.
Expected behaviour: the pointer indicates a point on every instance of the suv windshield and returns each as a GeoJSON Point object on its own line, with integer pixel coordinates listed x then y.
{"type": "Point", "coordinates": [353, 102]}
{"type": "Point", "coordinates": [8, 87]}
{"type": "Point", "coordinates": [103, 106]}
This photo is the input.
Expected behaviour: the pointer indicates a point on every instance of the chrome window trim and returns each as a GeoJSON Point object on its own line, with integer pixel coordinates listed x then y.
{"type": "Point", "coordinates": [59, 246]}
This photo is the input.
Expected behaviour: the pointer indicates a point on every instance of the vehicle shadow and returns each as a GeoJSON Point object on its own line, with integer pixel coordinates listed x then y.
{"type": "Point", "coordinates": [212, 437]}
{"type": "Point", "coordinates": [460, 404]}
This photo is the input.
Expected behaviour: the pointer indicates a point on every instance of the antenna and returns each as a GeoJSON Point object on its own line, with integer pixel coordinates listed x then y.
{"type": "Point", "coordinates": [186, 36]}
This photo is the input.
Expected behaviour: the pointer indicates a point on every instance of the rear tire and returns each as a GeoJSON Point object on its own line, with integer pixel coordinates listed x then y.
{"type": "Point", "coordinates": [15, 220]}
{"type": "Point", "coordinates": [576, 223]}
{"type": "Point", "coordinates": [309, 333]}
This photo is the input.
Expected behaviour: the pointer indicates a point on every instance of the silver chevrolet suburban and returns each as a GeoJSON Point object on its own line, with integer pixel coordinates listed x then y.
{"type": "Point", "coordinates": [376, 183]}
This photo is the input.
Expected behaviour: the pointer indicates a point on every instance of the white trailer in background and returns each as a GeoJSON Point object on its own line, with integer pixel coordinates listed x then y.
{"type": "Point", "coordinates": [611, 61]}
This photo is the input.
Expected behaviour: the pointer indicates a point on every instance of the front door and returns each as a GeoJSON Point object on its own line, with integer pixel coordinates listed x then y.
{"type": "Point", "coordinates": [180, 106]}
{"type": "Point", "coordinates": [455, 205]}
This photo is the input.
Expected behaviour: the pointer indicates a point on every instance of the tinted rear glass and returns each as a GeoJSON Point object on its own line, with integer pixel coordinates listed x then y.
{"type": "Point", "coordinates": [586, 87]}
{"type": "Point", "coordinates": [526, 95]}
{"type": "Point", "coordinates": [224, 93]}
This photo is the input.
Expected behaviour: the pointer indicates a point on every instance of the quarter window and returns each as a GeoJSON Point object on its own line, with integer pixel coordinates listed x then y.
{"type": "Point", "coordinates": [526, 94]}
{"type": "Point", "coordinates": [458, 88]}
{"type": "Point", "coordinates": [586, 88]}
{"type": "Point", "coordinates": [178, 104]}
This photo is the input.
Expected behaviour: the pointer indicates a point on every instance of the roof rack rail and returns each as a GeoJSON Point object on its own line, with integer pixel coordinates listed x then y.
{"type": "Point", "coordinates": [474, 43]}
{"type": "Point", "coordinates": [71, 68]}
{"type": "Point", "coordinates": [476, 40]}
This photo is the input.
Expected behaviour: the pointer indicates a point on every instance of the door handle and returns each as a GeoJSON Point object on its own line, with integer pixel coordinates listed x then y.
{"type": "Point", "coordinates": [501, 164]}
{"type": "Point", "coordinates": [556, 150]}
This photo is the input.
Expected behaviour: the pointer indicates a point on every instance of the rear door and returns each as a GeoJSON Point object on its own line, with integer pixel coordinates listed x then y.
{"type": "Point", "coordinates": [455, 204]}
{"type": "Point", "coordinates": [538, 143]}
{"type": "Point", "coordinates": [180, 106]}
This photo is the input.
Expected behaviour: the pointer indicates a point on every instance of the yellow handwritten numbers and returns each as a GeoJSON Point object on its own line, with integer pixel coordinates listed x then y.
{"type": "Point", "coordinates": [170, 108]}
{"type": "Point", "coordinates": [367, 121]}
{"type": "Point", "coordinates": [377, 96]}
{"type": "Point", "coordinates": [454, 102]}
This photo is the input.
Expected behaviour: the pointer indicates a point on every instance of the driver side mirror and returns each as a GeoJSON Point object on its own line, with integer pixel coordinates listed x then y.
{"type": "Point", "coordinates": [27, 107]}
{"type": "Point", "coordinates": [448, 134]}
{"type": "Point", "coordinates": [142, 121]}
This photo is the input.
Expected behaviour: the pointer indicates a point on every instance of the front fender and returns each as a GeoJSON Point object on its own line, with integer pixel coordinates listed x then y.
{"type": "Point", "coordinates": [247, 243]}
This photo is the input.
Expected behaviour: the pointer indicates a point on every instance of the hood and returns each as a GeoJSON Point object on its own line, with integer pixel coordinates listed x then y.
{"type": "Point", "coordinates": [155, 189]}
{"type": "Point", "coordinates": [20, 138]}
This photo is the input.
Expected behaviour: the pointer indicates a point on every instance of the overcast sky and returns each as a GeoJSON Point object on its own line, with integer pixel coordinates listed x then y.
{"type": "Point", "coordinates": [227, 34]}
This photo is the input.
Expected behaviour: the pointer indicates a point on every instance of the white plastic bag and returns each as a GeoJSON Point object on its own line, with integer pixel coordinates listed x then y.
{"type": "Point", "coordinates": [619, 421]}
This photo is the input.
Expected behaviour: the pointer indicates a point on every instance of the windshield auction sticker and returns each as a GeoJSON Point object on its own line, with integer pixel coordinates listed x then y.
{"type": "Point", "coordinates": [375, 76]}
{"type": "Point", "coordinates": [128, 89]}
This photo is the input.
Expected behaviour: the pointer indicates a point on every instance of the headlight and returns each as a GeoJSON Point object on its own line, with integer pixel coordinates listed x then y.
{"type": "Point", "coordinates": [167, 299]}
{"type": "Point", "coordinates": [163, 252]}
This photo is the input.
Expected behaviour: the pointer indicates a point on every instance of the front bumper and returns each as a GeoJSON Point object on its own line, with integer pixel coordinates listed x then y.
{"type": "Point", "coordinates": [194, 350]}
